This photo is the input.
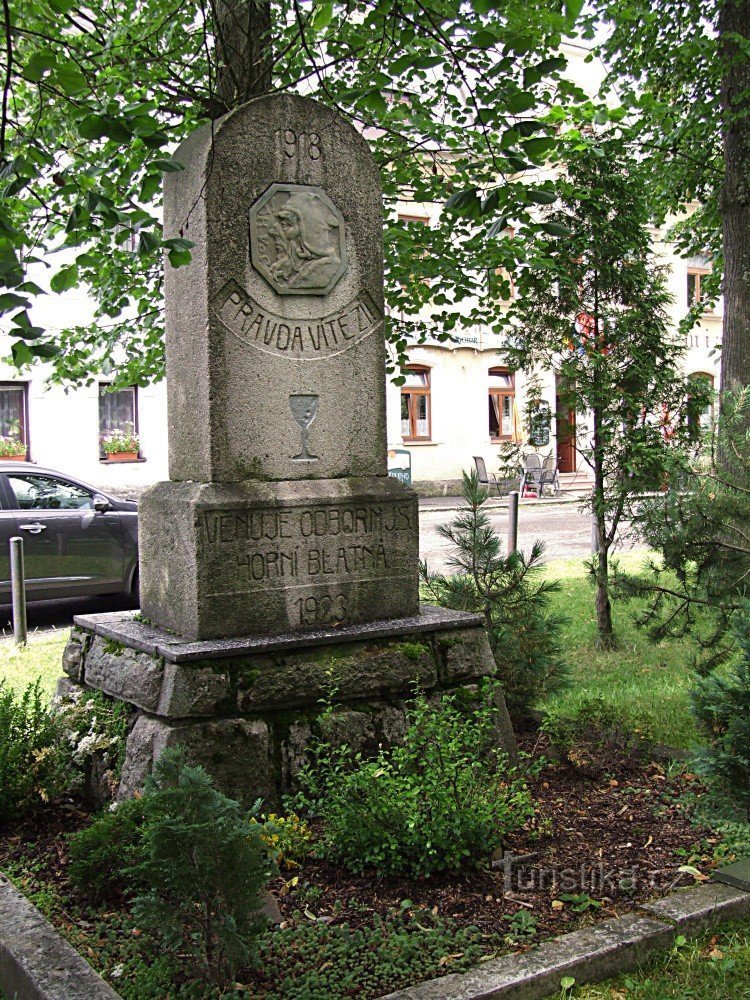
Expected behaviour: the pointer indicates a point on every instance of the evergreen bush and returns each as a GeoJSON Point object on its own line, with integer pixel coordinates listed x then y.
{"type": "Point", "coordinates": [102, 853]}
{"type": "Point", "coordinates": [507, 592]}
{"type": "Point", "coordinates": [444, 798]}
{"type": "Point", "coordinates": [34, 761]}
{"type": "Point", "coordinates": [203, 870]}
{"type": "Point", "coordinates": [721, 701]}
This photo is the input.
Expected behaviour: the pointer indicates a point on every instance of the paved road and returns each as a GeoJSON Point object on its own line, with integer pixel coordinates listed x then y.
{"type": "Point", "coordinates": [564, 529]}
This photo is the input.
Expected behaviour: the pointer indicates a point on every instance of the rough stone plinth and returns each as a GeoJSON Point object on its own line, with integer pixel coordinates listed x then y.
{"type": "Point", "coordinates": [246, 709]}
{"type": "Point", "coordinates": [255, 558]}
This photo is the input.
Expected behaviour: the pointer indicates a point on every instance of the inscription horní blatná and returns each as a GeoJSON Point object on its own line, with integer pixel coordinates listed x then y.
{"type": "Point", "coordinates": [297, 239]}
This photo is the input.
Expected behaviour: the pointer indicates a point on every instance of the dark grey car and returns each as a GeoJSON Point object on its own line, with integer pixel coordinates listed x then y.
{"type": "Point", "coordinates": [77, 540]}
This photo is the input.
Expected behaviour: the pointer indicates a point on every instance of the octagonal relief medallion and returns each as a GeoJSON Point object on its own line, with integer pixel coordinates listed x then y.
{"type": "Point", "coordinates": [298, 239]}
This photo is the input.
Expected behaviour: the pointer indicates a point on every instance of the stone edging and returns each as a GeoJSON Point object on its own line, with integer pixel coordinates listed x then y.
{"type": "Point", "coordinates": [594, 953]}
{"type": "Point", "coordinates": [36, 963]}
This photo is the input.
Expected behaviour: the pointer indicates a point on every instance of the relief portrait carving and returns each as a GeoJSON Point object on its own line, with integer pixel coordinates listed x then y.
{"type": "Point", "coordinates": [297, 239]}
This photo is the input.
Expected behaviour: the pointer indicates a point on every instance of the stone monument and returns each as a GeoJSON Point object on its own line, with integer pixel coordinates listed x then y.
{"type": "Point", "coordinates": [280, 562]}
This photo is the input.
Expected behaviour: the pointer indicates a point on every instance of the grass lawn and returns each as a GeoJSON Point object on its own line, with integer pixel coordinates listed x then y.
{"type": "Point", "coordinates": [714, 967]}
{"type": "Point", "coordinates": [649, 683]}
{"type": "Point", "coordinates": [42, 658]}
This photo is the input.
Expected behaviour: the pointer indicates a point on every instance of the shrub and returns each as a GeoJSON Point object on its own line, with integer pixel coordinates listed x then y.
{"type": "Point", "coordinates": [287, 839]}
{"type": "Point", "coordinates": [721, 702]}
{"type": "Point", "coordinates": [595, 739]}
{"type": "Point", "coordinates": [444, 798]}
{"type": "Point", "coordinates": [33, 757]}
{"type": "Point", "coordinates": [507, 591]}
{"type": "Point", "coordinates": [203, 870]}
{"type": "Point", "coordinates": [102, 853]}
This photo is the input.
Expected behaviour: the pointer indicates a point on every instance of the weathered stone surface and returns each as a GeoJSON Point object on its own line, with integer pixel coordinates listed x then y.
{"type": "Point", "coordinates": [736, 874]}
{"type": "Point", "coordinates": [263, 558]}
{"type": "Point", "coordinates": [35, 962]}
{"type": "Point", "coordinates": [235, 752]}
{"type": "Point", "coordinates": [587, 955]}
{"type": "Point", "coordinates": [466, 654]}
{"type": "Point", "coordinates": [701, 907]}
{"type": "Point", "coordinates": [128, 628]}
{"type": "Point", "coordinates": [242, 339]}
{"type": "Point", "coordinates": [72, 658]}
{"type": "Point", "coordinates": [353, 672]}
{"type": "Point", "coordinates": [124, 673]}
{"type": "Point", "coordinates": [65, 691]}
{"type": "Point", "coordinates": [189, 690]}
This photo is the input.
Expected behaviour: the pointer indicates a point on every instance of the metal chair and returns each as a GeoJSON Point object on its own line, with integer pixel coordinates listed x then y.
{"type": "Point", "coordinates": [486, 480]}
{"type": "Point", "coordinates": [549, 476]}
{"type": "Point", "coordinates": [531, 474]}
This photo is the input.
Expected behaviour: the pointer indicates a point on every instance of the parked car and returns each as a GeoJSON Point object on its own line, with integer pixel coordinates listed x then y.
{"type": "Point", "coordinates": [77, 540]}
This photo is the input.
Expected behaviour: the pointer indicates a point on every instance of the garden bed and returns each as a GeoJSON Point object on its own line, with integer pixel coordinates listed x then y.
{"type": "Point", "coordinates": [596, 848]}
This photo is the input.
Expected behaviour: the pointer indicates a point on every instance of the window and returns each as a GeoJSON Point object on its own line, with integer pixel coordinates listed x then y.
{"type": "Point", "coordinates": [34, 492]}
{"type": "Point", "coordinates": [502, 402]}
{"type": "Point", "coordinates": [14, 412]}
{"type": "Point", "coordinates": [118, 411]}
{"type": "Point", "coordinates": [415, 404]}
{"type": "Point", "coordinates": [705, 419]}
{"type": "Point", "coordinates": [695, 277]}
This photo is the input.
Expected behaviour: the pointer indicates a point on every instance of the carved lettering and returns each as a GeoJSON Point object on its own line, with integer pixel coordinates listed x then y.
{"type": "Point", "coordinates": [322, 338]}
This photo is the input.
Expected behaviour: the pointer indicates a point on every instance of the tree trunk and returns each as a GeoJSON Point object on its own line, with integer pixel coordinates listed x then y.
{"type": "Point", "coordinates": [243, 50]}
{"type": "Point", "coordinates": [734, 17]}
{"type": "Point", "coordinates": [607, 638]}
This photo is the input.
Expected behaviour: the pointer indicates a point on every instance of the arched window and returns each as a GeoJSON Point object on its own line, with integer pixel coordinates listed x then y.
{"type": "Point", "coordinates": [415, 404]}
{"type": "Point", "coordinates": [706, 417]}
{"type": "Point", "coordinates": [501, 403]}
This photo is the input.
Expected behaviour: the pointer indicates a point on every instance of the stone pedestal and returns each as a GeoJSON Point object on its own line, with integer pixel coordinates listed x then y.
{"type": "Point", "coordinates": [232, 559]}
{"type": "Point", "coordinates": [246, 709]}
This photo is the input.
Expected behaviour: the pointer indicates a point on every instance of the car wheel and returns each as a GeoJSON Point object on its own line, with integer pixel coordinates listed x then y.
{"type": "Point", "coordinates": [135, 589]}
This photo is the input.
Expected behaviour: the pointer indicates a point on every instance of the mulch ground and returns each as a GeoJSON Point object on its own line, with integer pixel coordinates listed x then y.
{"type": "Point", "coordinates": [614, 839]}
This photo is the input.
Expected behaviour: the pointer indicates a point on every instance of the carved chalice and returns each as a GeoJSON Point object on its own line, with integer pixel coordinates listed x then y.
{"type": "Point", "coordinates": [304, 409]}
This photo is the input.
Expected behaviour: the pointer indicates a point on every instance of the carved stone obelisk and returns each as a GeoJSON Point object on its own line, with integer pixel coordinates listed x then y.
{"type": "Point", "coordinates": [280, 515]}
{"type": "Point", "coordinates": [279, 565]}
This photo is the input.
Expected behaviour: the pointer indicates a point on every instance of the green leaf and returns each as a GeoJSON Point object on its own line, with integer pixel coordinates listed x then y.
{"type": "Point", "coordinates": [45, 350]}
{"type": "Point", "coordinates": [556, 229]}
{"type": "Point", "coordinates": [463, 201]}
{"type": "Point", "coordinates": [177, 258]}
{"type": "Point", "coordinates": [66, 277]}
{"type": "Point", "coordinates": [69, 78]}
{"type": "Point", "coordinates": [167, 166]}
{"type": "Point", "coordinates": [147, 242]}
{"type": "Point", "coordinates": [9, 300]}
{"type": "Point", "coordinates": [322, 16]}
{"type": "Point", "coordinates": [484, 39]}
{"type": "Point", "coordinates": [21, 354]}
{"type": "Point", "coordinates": [519, 102]}
{"type": "Point", "coordinates": [38, 64]}
{"type": "Point", "coordinates": [93, 127]}
{"type": "Point", "coordinates": [540, 197]}
{"type": "Point", "coordinates": [567, 983]}
{"type": "Point", "coordinates": [539, 146]}
{"type": "Point", "coordinates": [573, 9]}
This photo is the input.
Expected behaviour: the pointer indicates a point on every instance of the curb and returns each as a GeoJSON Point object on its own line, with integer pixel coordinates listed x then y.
{"type": "Point", "coordinates": [503, 504]}
{"type": "Point", "coordinates": [594, 953]}
{"type": "Point", "coordinates": [36, 963]}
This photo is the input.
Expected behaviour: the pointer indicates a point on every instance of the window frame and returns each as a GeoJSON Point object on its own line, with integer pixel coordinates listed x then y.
{"type": "Point", "coordinates": [410, 392]}
{"type": "Point", "coordinates": [136, 429]}
{"type": "Point", "coordinates": [698, 273]}
{"type": "Point", "coordinates": [25, 435]}
{"type": "Point", "coordinates": [500, 393]}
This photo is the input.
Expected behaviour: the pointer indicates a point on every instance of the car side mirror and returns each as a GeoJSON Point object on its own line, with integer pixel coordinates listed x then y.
{"type": "Point", "coordinates": [101, 504]}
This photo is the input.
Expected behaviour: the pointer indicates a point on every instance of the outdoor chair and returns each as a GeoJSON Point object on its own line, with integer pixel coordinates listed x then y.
{"type": "Point", "coordinates": [486, 480]}
{"type": "Point", "coordinates": [531, 474]}
{"type": "Point", "coordinates": [549, 476]}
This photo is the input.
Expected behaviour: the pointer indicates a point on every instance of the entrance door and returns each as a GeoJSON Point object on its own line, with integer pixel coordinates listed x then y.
{"type": "Point", "coordinates": [565, 427]}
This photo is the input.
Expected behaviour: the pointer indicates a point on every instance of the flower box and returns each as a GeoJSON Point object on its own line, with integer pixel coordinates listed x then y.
{"type": "Point", "coordinates": [122, 456]}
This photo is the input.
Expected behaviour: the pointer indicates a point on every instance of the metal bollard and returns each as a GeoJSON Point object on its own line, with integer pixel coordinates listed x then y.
{"type": "Point", "coordinates": [512, 521]}
{"type": "Point", "coordinates": [18, 590]}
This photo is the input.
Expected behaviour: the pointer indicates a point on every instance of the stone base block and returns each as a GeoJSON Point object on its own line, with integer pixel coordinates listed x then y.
{"type": "Point", "coordinates": [258, 558]}
{"type": "Point", "coordinates": [247, 710]}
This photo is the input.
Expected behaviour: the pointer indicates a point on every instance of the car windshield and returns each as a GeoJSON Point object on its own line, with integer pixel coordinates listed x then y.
{"type": "Point", "coordinates": [35, 492]}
